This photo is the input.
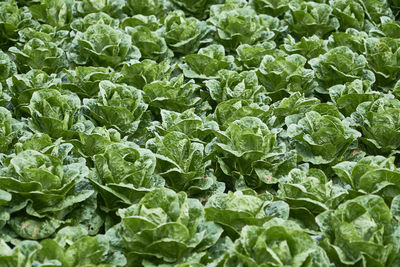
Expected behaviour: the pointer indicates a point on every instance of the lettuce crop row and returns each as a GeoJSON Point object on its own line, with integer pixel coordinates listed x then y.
{"type": "Point", "coordinates": [216, 133]}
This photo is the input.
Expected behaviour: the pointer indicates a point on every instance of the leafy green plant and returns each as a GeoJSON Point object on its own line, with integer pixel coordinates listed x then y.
{"type": "Point", "coordinates": [321, 138]}
{"type": "Point", "coordinates": [231, 84]}
{"type": "Point", "coordinates": [174, 94]}
{"type": "Point", "coordinates": [84, 81]}
{"type": "Point", "coordinates": [12, 19]}
{"type": "Point", "coordinates": [283, 74]}
{"type": "Point", "coordinates": [184, 35]}
{"type": "Point", "coordinates": [116, 105]}
{"type": "Point", "coordinates": [7, 67]}
{"type": "Point", "coordinates": [22, 86]}
{"type": "Point", "coordinates": [309, 18]}
{"type": "Point", "coordinates": [82, 24]}
{"type": "Point", "coordinates": [155, 229]}
{"type": "Point", "coordinates": [246, 151]}
{"type": "Point", "coordinates": [233, 211]}
{"type": "Point", "coordinates": [57, 13]}
{"type": "Point", "coordinates": [310, 190]}
{"type": "Point", "coordinates": [238, 24]}
{"type": "Point", "coordinates": [111, 50]}
{"type": "Point", "coordinates": [348, 96]}
{"type": "Point", "coordinates": [71, 247]}
{"type": "Point", "coordinates": [54, 113]}
{"type": "Point", "coordinates": [150, 44]}
{"type": "Point", "coordinates": [272, 7]}
{"type": "Point", "coordinates": [379, 124]}
{"type": "Point", "coordinates": [124, 174]}
{"type": "Point", "coordinates": [372, 174]}
{"type": "Point", "coordinates": [93, 6]}
{"type": "Point", "coordinates": [145, 7]}
{"type": "Point", "coordinates": [45, 188]}
{"type": "Point", "coordinates": [206, 63]}
{"type": "Point", "coordinates": [276, 243]}
{"type": "Point", "coordinates": [367, 232]}
{"type": "Point", "coordinates": [140, 73]}
{"type": "Point", "coordinates": [340, 65]}
{"type": "Point", "coordinates": [40, 54]}
{"type": "Point", "coordinates": [8, 129]}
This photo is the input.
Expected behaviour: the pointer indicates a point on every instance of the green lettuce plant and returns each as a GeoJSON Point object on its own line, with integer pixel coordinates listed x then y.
{"type": "Point", "coordinates": [382, 56]}
{"type": "Point", "coordinates": [231, 84]}
{"type": "Point", "coordinates": [309, 18]}
{"type": "Point", "coordinates": [276, 243]}
{"type": "Point", "coordinates": [39, 54]}
{"type": "Point", "coordinates": [340, 65]}
{"type": "Point", "coordinates": [184, 35]}
{"type": "Point", "coordinates": [238, 24]}
{"type": "Point", "coordinates": [116, 105]}
{"type": "Point", "coordinates": [145, 7]}
{"type": "Point", "coordinates": [352, 38]}
{"type": "Point", "coordinates": [235, 109]}
{"type": "Point", "coordinates": [198, 9]}
{"type": "Point", "coordinates": [376, 9]}
{"type": "Point", "coordinates": [206, 63]}
{"type": "Point", "coordinates": [7, 66]}
{"type": "Point", "coordinates": [309, 47]}
{"type": "Point", "coordinates": [246, 153]}
{"type": "Point", "coordinates": [285, 74]}
{"type": "Point", "coordinates": [321, 139]}
{"type": "Point", "coordinates": [235, 210]}
{"type": "Point", "coordinates": [93, 6]}
{"type": "Point", "coordinates": [274, 8]}
{"type": "Point", "coordinates": [360, 231]}
{"type": "Point", "coordinates": [150, 44]}
{"type": "Point", "coordinates": [71, 247]}
{"type": "Point", "coordinates": [84, 81]}
{"type": "Point", "coordinates": [167, 226]}
{"type": "Point", "coordinates": [8, 129]}
{"type": "Point", "coordinates": [348, 96]}
{"type": "Point", "coordinates": [57, 13]}
{"type": "Point", "coordinates": [124, 173]}
{"type": "Point", "coordinates": [45, 188]}
{"type": "Point", "coordinates": [179, 161]}
{"type": "Point", "coordinates": [308, 193]}
{"type": "Point", "coordinates": [379, 124]}
{"type": "Point", "coordinates": [53, 112]}
{"type": "Point", "coordinates": [372, 174]}
{"type": "Point", "coordinates": [82, 24]}
{"type": "Point", "coordinates": [22, 86]}
{"type": "Point", "coordinates": [102, 45]}
{"type": "Point", "coordinates": [140, 73]}
{"type": "Point", "coordinates": [13, 19]}
{"type": "Point", "coordinates": [350, 15]}
{"type": "Point", "coordinates": [175, 94]}
{"type": "Point", "coordinates": [249, 57]}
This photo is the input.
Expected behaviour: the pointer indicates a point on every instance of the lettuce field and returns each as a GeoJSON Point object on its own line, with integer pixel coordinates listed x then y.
{"type": "Point", "coordinates": [200, 133]}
